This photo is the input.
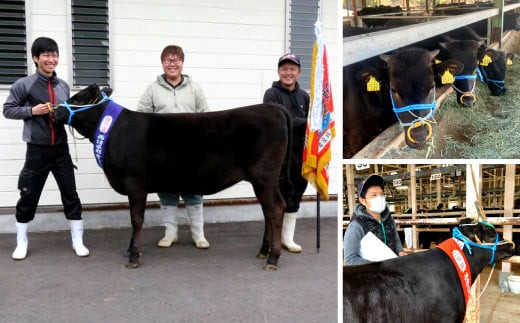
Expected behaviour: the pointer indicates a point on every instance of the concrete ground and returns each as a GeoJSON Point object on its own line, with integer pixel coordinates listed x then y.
{"type": "Point", "coordinates": [495, 306]}
{"type": "Point", "coordinates": [225, 283]}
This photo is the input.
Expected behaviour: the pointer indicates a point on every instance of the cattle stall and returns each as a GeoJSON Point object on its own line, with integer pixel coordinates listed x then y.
{"type": "Point", "coordinates": [427, 200]}
{"type": "Point", "coordinates": [359, 48]}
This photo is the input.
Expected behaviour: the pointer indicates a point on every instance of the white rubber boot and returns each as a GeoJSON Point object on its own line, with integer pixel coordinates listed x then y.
{"type": "Point", "coordinates": [197, 225]}
{"type": "Point", "coordinates": [289, 223]}
{"type": "Point", "coordinates": [21, 241]}
{"type": "Point", "coordinates": [76, 232]}
{"type": "Point", "coordinates": [169, 214]}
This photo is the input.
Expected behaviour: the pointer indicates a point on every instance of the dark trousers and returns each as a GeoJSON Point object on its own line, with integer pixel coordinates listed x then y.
{"type": "Point", "coordinates": [292, 189]}
{"type": "Point", "coordinates": [39, 161]}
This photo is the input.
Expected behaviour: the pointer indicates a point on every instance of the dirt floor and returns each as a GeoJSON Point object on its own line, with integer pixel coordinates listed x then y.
{"type": "Point", "coordinates": [225, 283]}
{"type": "Point", "coordinates": [488, 130]}
{"type": "Point", "coordinates": [495, 306]}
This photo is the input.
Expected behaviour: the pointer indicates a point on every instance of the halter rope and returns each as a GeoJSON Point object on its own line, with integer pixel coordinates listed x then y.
{"type": "Point", "coordinates": [418, 121]}
{"type": "Point", "coordinates": [468, 93]}
{"type": "Point", "coordinates": [485, 78]}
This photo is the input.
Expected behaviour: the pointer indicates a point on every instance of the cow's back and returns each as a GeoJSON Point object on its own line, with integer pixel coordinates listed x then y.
{"type": "Point", "coordinates": [196, 152]}
{"type": "Point", "coordinates": [421, 287]}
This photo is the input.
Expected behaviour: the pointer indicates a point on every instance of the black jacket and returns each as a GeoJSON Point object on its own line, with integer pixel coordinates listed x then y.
{"type": "Point", "coordinates": [297, 102]}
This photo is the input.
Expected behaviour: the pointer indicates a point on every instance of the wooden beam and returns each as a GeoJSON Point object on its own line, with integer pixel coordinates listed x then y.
{"type": "Point", "coordinates": [509, 200]}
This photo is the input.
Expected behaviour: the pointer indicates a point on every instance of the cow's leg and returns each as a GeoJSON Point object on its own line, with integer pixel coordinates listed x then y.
{"type": "Point", "coordinates": [137, 207]}
{"type": "Point", "coordinates": [273, 206]}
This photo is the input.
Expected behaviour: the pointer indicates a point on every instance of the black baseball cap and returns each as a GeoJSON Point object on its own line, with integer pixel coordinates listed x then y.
{"type": "Point", "coordinates": [372, 180]}
{"type": "Point", "coordinates": [289, 58]}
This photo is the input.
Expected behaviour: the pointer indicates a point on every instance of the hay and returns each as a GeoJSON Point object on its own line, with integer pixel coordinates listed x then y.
{"type": "Point", "coordinates": [488, 130]}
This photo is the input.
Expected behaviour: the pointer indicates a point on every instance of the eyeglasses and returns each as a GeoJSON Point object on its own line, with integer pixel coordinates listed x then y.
{"type": "Point", "coordinates": [172, 61]}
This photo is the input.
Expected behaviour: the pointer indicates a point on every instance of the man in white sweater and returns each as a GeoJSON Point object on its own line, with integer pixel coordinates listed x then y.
{"type": "Point", "coordinates": [174, 92]}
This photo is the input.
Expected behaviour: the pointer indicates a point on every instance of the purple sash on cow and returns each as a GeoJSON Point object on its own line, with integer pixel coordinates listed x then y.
{"type": "Point", "coordinates": [107, 121]}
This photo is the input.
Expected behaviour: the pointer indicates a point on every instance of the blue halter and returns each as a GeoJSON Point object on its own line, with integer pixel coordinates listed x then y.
{"type": "Point", "coordinates": [412, 107]}
{"type": "Point", "coordinates": [484, 78]}
{"type": "Point", "coordinates": [465, 77]}
{"type": "Point", "coordinates": [468, 243]}
{"type": "Point", "coordinates": [81, 108]}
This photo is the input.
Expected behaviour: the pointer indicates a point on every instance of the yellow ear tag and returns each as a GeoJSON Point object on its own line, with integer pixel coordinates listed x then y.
{"type": "Point", "coordinates": [437, 61]}
{"type": "Point", "coordinates": [509, 61]}
{"type": "Point", "coordinates": [486, 60]}
{"type": "Point", "coordinates": [373, 85]}
{"type": "Point", "coordinates": [447, 77]}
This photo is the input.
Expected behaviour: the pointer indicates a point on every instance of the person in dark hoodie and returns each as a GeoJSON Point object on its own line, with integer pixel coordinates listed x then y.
{"type": "Point", "coordinates": [287, 92]}
{"type": "Point", "coordinates": [370, 215]}
{"type": "Point", "coordinates": [31, 99]}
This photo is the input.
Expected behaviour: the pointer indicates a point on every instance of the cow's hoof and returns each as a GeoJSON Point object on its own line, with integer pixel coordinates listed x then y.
{"type": "Point", "coordinates": [270, 267]}
{"type": "Point", "coordinates": [262, 256]}
{"type": "Point", "coordinates": [131, 265]}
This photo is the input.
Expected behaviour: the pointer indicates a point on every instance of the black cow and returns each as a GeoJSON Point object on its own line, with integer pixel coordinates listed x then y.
{"type": "Point", "coordinates": [367, 110]}
{"type": "Point", "coordinates": [465, 51]}
{"type": "Point", "coordinates": [492, 63]}
{"type": "Point", "coordinates": [422, 287]}
{"type": "Point", "coordinates": [404, 80]}
{"type": "Point", "coordinates": [191, 153]}
{"type": "Point", "coordinates": [411, 76]}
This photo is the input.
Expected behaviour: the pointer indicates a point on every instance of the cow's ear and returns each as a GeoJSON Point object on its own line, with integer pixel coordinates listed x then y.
{"type": "Point", "coordinates": [444, 45]}
{"type": "Point", "coordinates": [108, 91]}
{"type": "Point", "coordinates": [509, 58]}
{"type": "Point", "coordinates": [448, 69]}
{"type": "Point", "coordinates": [368, 80]}
{"type": "Point", "coordinates": [386, 58]}
{"type": "Point", "coordinates": [433, 53]}
{"type": "Point", "coordinates": [489, 56]}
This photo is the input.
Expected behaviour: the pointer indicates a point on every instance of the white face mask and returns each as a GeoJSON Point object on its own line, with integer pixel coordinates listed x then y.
{"type": "Point", "coordinates": [377, 204]}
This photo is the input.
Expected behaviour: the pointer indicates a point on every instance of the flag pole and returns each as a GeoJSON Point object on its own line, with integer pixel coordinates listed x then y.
{"type": "Point", "coordinates": [317, 222]}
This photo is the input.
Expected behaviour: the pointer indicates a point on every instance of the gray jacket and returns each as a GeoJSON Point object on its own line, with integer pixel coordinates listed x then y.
{"type": "Point", "coordinates": [355, 232]}
{"type": "Point", "coordinates": [161, 97]}
{"type": "Point", "coordinates": [30, 91]}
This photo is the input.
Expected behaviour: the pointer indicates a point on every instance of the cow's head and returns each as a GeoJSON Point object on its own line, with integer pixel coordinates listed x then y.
{"type": "Point", "coordinates": [483, 235]}
{"type": "Point", "coordinates": [492, 68]}
{"type": "Point", "coordinates": [412, 92]}
{"type": "Point", "coordinates": [464, 51]}
{"type": "Point", "coordinates": [88, 96]}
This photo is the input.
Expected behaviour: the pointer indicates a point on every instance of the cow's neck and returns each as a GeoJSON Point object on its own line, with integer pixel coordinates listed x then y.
{"type": "Point", "coordinates": [86, 122]}
{"type": "Point", "coordinates": [477, 261]}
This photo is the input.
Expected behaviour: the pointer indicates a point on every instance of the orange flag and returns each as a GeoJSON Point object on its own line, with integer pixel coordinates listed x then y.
{"type": "Point", "coordinates": [320, 123]}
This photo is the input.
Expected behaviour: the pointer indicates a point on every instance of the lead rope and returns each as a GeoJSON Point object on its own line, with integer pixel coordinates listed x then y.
{"type": "Point", "coordinates": [489, 278]}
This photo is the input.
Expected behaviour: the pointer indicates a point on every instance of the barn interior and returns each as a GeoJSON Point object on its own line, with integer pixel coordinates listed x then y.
{"type": "Point", "coordinates": [428, 199]}
{"type": "Point", "coordinates": [372, 28]}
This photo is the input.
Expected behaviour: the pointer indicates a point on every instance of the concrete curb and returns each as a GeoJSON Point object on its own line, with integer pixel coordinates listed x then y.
{"type": "Point", "coordinates": [55, 221]}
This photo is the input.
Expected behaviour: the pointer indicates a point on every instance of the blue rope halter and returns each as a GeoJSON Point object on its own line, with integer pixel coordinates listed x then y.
{"type": "Point", "coordinates": [412, 107]}
{"type": "Point", "coordinates": [484, 78]}
{"type": "Point", "coordinates": [81, 108]}
{"type": "Point", "coordinates": [468, 243]}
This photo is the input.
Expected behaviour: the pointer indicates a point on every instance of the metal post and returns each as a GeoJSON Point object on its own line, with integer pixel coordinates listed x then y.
{"type": "Point", "coordinates": [317, 222]}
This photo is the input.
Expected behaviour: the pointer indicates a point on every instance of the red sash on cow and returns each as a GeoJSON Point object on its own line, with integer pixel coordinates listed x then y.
{"type": "Point", "coordinates": [457, 257]}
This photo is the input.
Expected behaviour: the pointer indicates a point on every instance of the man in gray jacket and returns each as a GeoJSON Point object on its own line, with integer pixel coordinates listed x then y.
{"type": "Point", "coordinates": [174, 92]}
{"type": "Point", "coordinates": [31, 99]}
{"type": "Point", "coordinates": [370, 215]}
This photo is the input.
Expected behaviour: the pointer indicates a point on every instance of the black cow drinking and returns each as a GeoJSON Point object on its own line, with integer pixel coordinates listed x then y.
{"type": "Point", "coordinates": [422, 287]}
{"type": "Point", "coordinates": [197, 153]}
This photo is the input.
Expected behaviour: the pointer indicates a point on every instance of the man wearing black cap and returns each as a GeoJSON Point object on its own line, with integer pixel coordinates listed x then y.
{"type": "Point", "coordinates": [370, 215]}
{"type": "Point", "coordinates": [286, 91]}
